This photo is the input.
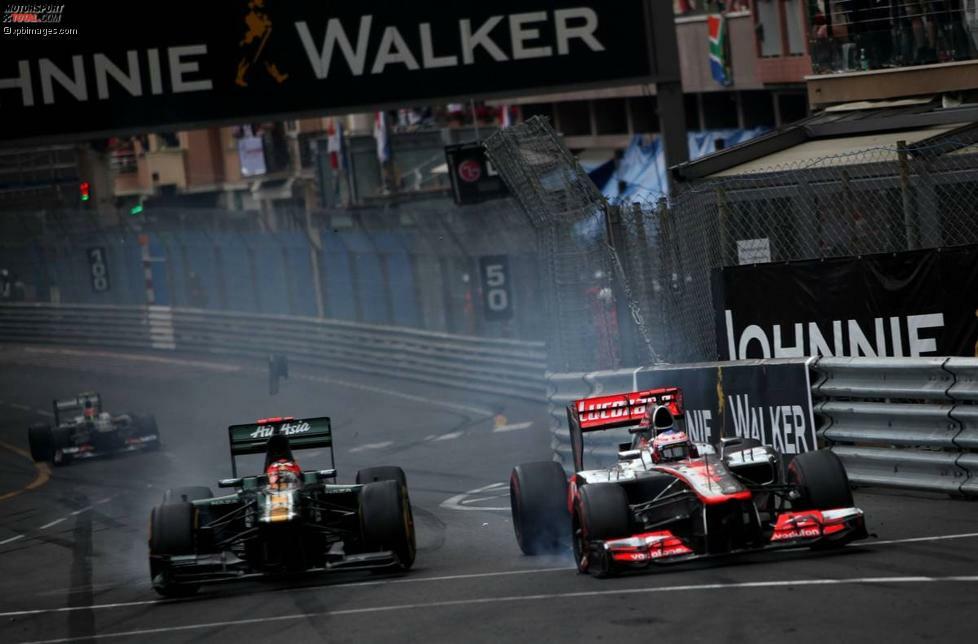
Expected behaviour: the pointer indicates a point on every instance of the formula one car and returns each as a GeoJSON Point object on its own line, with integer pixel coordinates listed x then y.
{"type": "Point", "coordinates": [284, 521]}
{"type": "Point", "coordinates": [83, 430]}
{"type": "Point", "coordinates": [668, 499]}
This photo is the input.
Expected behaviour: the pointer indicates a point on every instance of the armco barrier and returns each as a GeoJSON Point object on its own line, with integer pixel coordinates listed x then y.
{"type": "Point", "coordinates": [902, 422]}
{"type": "Point", "coordinates": [503, 367]}
{"type": "Point", "coordinates": [896, 422]}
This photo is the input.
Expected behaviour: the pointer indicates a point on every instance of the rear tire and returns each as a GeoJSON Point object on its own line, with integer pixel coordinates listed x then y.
{"type": "Point", "coordinates": [821, 481]}
{"type": "Point", "coordinates": [538, 501]}
{"type": "Point", "coordinates": [171, 533]}
{"type": "Point", "coordinates": [41, 440]}
{"type": "Point", "coordinates": [602, 513]}
{"type": "Point", "coordinates": [61, 438]}
{"type": "Point", "coordinates": [387, 520]}
{"type": "Point", "coordinates": [186, 494]}
{"type": "Point", "coordinates": [382, 473]}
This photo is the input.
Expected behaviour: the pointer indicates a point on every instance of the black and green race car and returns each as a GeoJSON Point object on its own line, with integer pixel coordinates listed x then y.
{"type": "Point", "coordinates": [284, 521]}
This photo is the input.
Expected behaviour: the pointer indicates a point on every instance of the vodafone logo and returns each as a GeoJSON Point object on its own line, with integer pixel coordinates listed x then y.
{"type": "Point", "coordinates": [469, 171]}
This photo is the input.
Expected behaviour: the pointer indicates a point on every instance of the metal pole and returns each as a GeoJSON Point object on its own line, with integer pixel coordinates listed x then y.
{"type": "Point", "coordinates": [908, 224]}
{"type": "Point", "coordinates": [475, 120]}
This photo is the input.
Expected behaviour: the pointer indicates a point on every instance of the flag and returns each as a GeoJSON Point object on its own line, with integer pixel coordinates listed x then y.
{"type": "Point", "coordinates": [380, 134]}
{"type": "Point", "coordinates": [717, 34]}
{"type": "Point", "coordinates": [334, 145]}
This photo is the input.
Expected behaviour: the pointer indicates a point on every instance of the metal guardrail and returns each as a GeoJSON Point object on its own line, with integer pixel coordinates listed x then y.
{"type": "Point", "coordinates": [908, 423]}
{"type": "Point", "coordinates": [902, 422]}
{"type": "Point", "coordinates": [502, 367]}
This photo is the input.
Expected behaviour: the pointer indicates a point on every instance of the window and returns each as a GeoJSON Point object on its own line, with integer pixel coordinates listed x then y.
{"type": "Point", "coordinates": [780, 27]}
{"type": "Point", "coordinates": [645, 116]}
{"type": "Point", "coordinates": [610, 116]}
{"type": "Point", "coordinates": [769, 27]}
{"type": "Point", "coordinates": [574, 118]}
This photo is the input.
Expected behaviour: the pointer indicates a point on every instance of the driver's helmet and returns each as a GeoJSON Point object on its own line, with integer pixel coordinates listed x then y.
{"type": "Point", "coordinates": [657, 419]}
{"type": "Point", "coordinates": [89, 412]}
{"type": "Point", "coordinates": [283, 475]}
{"type": "Point", "coordinates": [671, 446]}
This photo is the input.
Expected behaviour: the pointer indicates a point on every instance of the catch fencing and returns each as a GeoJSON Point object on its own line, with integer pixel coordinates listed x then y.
{"type": "Point", "coordinates": [652, 260]}
{"type": "Point", "coordinates": [494, 366]}
{"type": "Point", "coordinates": [909, 423]}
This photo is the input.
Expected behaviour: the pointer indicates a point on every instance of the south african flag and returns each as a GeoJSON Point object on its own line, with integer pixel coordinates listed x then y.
{"type": "Point", "coordinates": [717, 33]}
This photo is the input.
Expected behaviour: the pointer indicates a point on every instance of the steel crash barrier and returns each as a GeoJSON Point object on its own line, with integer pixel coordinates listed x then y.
{"type": "Point", "coordinates": [902, 422]}
{"type": "Point", "coordinates": [494, 366]}
{"type": "Point", "coordinates": [895, 422]}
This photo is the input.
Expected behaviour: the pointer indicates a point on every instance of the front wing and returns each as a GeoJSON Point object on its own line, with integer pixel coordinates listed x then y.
{"type": "Point", "coordinates": [224, 567]}
{"type": "Point", "coordinates": [809, 528]}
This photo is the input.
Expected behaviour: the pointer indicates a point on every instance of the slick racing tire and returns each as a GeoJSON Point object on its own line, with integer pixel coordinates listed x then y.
{"type": "Point", "coordinates": [387, 521]}
{"type": "Point", "coordinates": [171, 533]}
{"type": "Point", "coordinates": [821, 481]}
{"type": "Point", "coordinates": [187, 494]}
{"type": "Point", "coordinates": [41, 440]}
{"type": "Point", "coordinates": [602, 513]}
{"type": "Point", "coordinates": [538, 501]}
{"type": "Point", "coordinates": [61, 437]}
{"type": "Point", "coordinates": [382, 473]}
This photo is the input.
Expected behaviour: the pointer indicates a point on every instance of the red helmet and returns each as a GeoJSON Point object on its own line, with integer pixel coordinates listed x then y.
{"type": "Point", "coordinates": [671, 446]}
{"type": "Point", "coordinates": [283, 474]}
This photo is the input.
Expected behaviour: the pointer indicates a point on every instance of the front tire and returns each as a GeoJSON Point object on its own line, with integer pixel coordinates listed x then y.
{"type": "Point", "coordinates": [538, 501]}
{"type": "Point", "coordinates": [41, 440]}
{"type": "Point", "coordinates": [387, 521]}
{"type": "Point", "coordinates": [821, 481]}
{"type": "Point", "coordinates": [171, 533]}
{"type": "Point", "coordinates": [382, 473]}
{"type": "Point", "coordinates": [601, 514]}
{"type": "Point", "coordinates": [187, 494]}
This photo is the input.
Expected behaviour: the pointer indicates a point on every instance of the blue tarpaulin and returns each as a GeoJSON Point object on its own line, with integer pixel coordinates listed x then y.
{"type": "Point", "coordinates": [642, 171]}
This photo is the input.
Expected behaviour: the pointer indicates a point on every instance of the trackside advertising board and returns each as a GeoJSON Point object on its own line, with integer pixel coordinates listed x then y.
{"type": "Point", "coordinates": [78, 67]}
{"type": "Point", "coordinates": [768, 400]}
{"type": "Point", "coordinates": [918, 303]}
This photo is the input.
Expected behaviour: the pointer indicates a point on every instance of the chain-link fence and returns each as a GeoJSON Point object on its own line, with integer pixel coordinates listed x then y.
{"type": "Point", "coordinates": [878, 200]}
{"type": "Point", "coordinates": [566, 210]}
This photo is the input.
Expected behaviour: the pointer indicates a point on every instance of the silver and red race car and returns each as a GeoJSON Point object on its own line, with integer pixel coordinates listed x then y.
{"type": "Point", "coordinates": [667, 499]}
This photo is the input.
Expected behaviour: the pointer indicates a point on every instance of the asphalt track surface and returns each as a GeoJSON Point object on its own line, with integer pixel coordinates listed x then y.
{"type": "Point", "coordinates": [73, 546]}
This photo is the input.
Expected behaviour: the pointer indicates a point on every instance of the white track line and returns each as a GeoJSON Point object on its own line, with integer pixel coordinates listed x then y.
{"type": "Point", "coordinates": [53, 523]}
{"type": "Point", "coordinates": [450, 436]}
{"type": "Point", "coordinates": [44, 412]}
{"type": "Point", "coordinates": [413, 580]}
{"type": "Point", "coordinates": [512, 428]}
{"type": "Point", "coordinates": [19, 406]}
{"type": "Point", "coordinates": [865, 581]}
{"type": "Point", "coordinates": [11, 539]}
{"type": "Point", "coordinates": [458, 501]}
{"type": "Point", "coordinates": [410, 580]}
{"type": "Point", "coordinates": [363, 448]}
{"type": "Point", "coordinates": [966, 535]}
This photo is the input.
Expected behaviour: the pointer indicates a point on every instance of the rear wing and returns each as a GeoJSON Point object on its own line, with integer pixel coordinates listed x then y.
{"type": "Point", "coordinates": [616, 410]}
{"type": "Point", "coordinates": [302, 433]}
{"type": "Point", "coordinates": [78, 403]}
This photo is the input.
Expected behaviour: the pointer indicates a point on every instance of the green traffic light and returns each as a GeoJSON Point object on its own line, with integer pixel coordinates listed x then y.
{"type": "Point", "coordinates": [135, 210]}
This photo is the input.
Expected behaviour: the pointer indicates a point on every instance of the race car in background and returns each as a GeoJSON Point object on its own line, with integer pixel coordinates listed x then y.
{"type": "Point", "coordinates": [82, 430]}
{"type": "Point", "coordinates": [668, 499]}
{"type": "Point", "coordinates": [284, 521]}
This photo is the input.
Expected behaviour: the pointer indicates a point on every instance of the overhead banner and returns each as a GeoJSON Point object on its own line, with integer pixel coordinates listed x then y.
{"type": "Point", "coordinates": [85, 68]}
{"type": "Point", "coordinates": [918, 303]}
